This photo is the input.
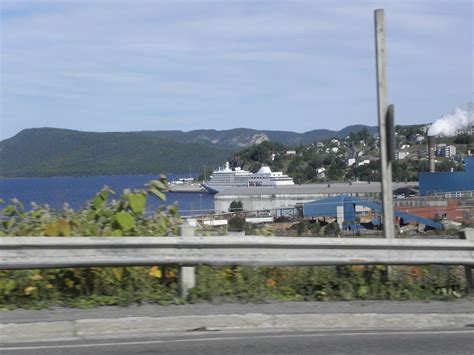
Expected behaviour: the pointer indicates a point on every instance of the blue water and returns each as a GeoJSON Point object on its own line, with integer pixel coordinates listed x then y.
{"type": "Point", "coordinates": [76, 191]}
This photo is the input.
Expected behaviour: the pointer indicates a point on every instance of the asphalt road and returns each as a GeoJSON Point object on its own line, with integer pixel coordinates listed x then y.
{"type": "Point", "coordinates": [442, 342]}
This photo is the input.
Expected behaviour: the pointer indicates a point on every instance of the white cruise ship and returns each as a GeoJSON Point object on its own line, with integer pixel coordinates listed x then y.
{"type": "Point", "coordinates": [266, 177]}
{"type": "Point", "coordinates": [225, 177]}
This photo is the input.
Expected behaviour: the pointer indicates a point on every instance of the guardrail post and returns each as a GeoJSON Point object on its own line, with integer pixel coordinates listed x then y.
{"type": "Point", "coordinates": [186, 274]}
{"type": "Point", "coordinates": [468, 234]}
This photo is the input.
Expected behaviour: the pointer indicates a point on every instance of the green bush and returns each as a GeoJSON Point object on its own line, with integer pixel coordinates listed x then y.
{"type": "Point", "coordinates": [90, 286]}
{"type": "Point", "coordinates": [236, 224]}
{"type": "Point", "coordinates": [332, 229]}
{"type": "Point", "coordinates": [247, 284]}
{"type": "Point", "coordinates": [124, 216]}
{"type": "Point", "coordinates": [87, 287]}
{"type": "Point", "coordinates": [306, 228]}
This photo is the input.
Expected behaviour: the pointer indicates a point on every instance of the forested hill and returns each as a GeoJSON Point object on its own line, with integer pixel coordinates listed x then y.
{"type": "Point", "coordinates": [59, 152]}
{"type": "Point", "coordinates": [244, 137]}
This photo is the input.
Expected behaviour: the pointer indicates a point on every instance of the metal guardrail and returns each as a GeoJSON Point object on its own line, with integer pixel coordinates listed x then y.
{"type": "Point", "coordinates": [188, 251]}
{"type": "Point", "coordinates": [453, 194]}
{"type": "Point", "coordinates": [56, 252]}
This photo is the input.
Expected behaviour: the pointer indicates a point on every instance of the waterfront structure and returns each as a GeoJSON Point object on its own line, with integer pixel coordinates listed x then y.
{"type": "Point", "coordinates": [265, 198]}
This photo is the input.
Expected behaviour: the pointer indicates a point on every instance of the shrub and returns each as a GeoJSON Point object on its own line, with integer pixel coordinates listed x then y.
{"type": "Point", "coordinates": [237, 224]}
{"type": "Point", "coordinates": [90, 286]}
{"type": "Point", "coordinates": [332, 229]}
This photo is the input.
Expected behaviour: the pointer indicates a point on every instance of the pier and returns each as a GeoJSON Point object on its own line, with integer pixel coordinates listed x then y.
{"type": "Point", "coordinates": [265, 198]}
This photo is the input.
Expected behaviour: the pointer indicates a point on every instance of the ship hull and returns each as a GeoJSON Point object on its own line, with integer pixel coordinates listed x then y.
{"type": "Point", "coordinates": [211, 190]}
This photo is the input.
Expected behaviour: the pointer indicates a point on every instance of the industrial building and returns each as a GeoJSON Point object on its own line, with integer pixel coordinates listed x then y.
{"type": "Point", "coordinates": [449, 184]}
{"type": "Point", "coordinates": [348, 211]}
{"type": "Point", "coordinates": [438, 207]}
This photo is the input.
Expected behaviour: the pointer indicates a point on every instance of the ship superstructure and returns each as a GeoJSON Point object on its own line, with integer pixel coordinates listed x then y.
{"type": "Point", "coordinates": [225, 177]}
{"type": "Point", "coordinates": [266, 177]}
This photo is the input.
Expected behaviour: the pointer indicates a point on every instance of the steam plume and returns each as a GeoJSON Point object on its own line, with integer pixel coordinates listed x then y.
{"type": "Point", "coordinates": [448, 124]}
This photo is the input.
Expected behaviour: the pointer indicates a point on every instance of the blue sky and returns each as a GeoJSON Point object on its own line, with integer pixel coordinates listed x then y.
{"type": "Point", "coordinates": [106, 65]}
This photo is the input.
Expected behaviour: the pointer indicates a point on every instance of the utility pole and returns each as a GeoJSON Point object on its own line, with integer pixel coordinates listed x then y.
{"type": "Point", "coordinates": [385, 116]}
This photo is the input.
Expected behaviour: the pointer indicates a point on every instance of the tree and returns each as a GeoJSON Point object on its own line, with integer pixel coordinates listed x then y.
{"type": "Point", "coordinates": [253, 157]}
{"type": "Point", "coordinates": [464, 139]}
{"type": "Point", "coordinates": [236, 206]}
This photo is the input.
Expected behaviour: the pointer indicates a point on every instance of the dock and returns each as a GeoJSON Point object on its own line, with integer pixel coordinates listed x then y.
{"type": "Point", "coordinates": [186, 188]}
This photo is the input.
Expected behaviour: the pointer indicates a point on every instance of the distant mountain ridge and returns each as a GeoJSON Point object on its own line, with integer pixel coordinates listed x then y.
{"type": "Point", "coordinates": [63, 152]}
{"type": "Point", "coordinates": [243, 137]}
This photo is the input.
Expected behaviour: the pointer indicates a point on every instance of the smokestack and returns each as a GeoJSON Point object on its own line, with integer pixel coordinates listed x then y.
{"type": "Point", "coordinates": [431, 153]}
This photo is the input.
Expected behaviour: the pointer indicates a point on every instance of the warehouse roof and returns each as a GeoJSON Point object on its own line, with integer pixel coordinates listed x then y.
{"type": "Point", "coordinates": [314, 189]}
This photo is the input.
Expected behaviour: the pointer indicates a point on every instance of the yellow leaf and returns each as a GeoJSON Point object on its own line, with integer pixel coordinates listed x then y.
{"type": "Point", "coordinates": [49, 286]}
{"type": "Point", "coordinates": [64, 228]}
{"type": "Point", "coordinates": [51, 230]}
{"type": "Point", "coordinates": [60, 228]}
{"type": "Point", "coordinates": [270, 282]}
{"type": "Point", "coordinates": [155, 272]}
{"type": "Point", "coordinates": [118, 272]}
{"type": "Point", "coordinates": [29, 290]}
{"type": "Point", "coordinates": [170, 274]}
{"type": "Point", "coordinates": [37, 277]}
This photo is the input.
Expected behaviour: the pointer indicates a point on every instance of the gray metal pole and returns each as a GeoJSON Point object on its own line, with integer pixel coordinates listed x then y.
{"type": "Point", "coordinates": [187, 274]}
{"type": "Point", "coordinates": [382, 100]}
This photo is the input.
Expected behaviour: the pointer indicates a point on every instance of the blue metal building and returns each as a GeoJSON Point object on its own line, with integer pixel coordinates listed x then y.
{"type": "Point", "coordinates": [441, 182]}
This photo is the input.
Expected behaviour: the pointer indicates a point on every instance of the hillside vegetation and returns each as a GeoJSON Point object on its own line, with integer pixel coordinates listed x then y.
{"type": "Point", "coordinates": [351, 158]}
{"type": "Point", "coordinates": [319, 155]}
{"type": "Point", "coordinates": [58, 152]}
{"type": "Point", "coordinates": [61, 152]}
